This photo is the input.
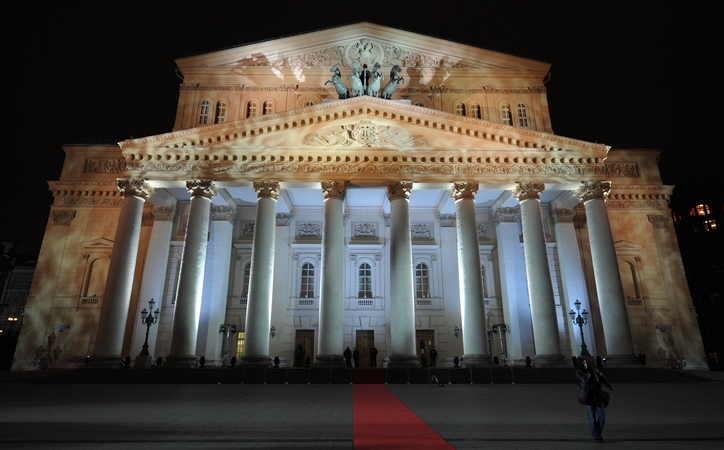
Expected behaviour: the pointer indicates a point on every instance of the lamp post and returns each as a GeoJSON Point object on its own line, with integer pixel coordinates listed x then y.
{"type": "Point", "coordinates": [580, 318]}
{"type": "Point", "coordinates": [148, 318]}
{"type": "Point", "coordinates": [227, 328]}
{"type": "Point", "coordinates": [500, 329]}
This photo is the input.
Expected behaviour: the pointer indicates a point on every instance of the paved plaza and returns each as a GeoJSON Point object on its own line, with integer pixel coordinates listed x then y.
{"type": "Point", "coordinates": [521, 416]}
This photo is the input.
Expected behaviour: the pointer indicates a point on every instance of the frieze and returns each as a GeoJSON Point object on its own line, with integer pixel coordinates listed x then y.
{"type": "Point", "coordinates": [420, 231]}
{"type": "Point", "coordinates": [446, 220]}
{"type": "Point", "coordinates": [307, 230]}
{"type": "Point", "coordinates": [636, 204]}
{"type": "Point", "coordinates": [90, 201]}
{"type": "Point", "coordinates": [104, 165]}
{"type": "Point", "coordinates": [284, 219]}
{"type": "Point", "coordinates": [623, 170]}
{"type": "Point", "coordinates": [364, 134]}
{"type": "Point", "coordinates": [365, 230]}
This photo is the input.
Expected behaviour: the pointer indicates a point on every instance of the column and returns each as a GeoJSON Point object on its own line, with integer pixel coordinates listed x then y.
{"type": "Point", "coordinates": [540, 287]}
{"type": "Point", "coordinates": [616, 329]}
{"type": "Point", "coordinates": [331, 298]}
{"type": "Point", "coordinates": [117, 293]}
{"type": "Point", "coordinates": [572, 277]}
{"type": "Point", "coordinates": [402, 281]}
{"type": "Point", "coordinates": [191, 277]}
{"type": "Point", "coordinates": [259, 304]}
{"type": "Point", "coordinates": [472, 298]}
{"type": "Point", "coordinates": [675, 282]}
{"type": "Point", "coordinates": [211, 343]}
{"type": "Point", "coordinates": [153, 281]}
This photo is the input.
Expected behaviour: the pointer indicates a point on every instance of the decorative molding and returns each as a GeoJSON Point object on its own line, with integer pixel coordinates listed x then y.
{"type": "Point", "coordinates": [247, 230]}
{"type": "Point", "coordinates": [399, 190]}
{"type": "Point", "coordinates": [85, 201]}
{"type": "Point", "coordinates": [386, 219]}
{"type": "Point", "coordinates": [334, 190]}
{"type": "Point", "coordinates": [464, 190]}
{"type": "Point", "coordinates": [420, 231]}
{"type": "Point", "coordinates": [366, 229]}
{"type": "Point", "coordinates": [636, 204]}
{"type": "Point", "coordinates": [659, 220]}
{"type": "Point", "coordinates": [364, 134]}
{"type": "Point", "coordinates": [63, 217]}
{"type": "Point", "coordinates": [163, 213]}
{"type": "Point", "coordinates": [593, 190]}
{"type": "Point", "coordinates": [622, 170]}
{"type": "Point", "coordinates": [563, 215]}
{"type": "Point", "coordinates": [136, 187]}
{"type": "Point", "coordinates": [284, 219]}
{"type": "Point", "coordinates": [506, 214]}
{"type": "Point", "coordinates": [483, 232]}
{"type": "Point", "coordinates": [105, 165]}
{"type": "Point", "coordinates": [579, 221]}
{"type": "Point", "coordinates": [223, 213]}
{"type": "Point", "coordinates": [528, 190]}
{"type": "Point", "coordinates": [267, 189]}
{"type": "Point", "coordinates": [202, 188]}
{"type": "Point", "coordinates": [446, 220]}
{"type": "Point", "coordinates": [307, 230]}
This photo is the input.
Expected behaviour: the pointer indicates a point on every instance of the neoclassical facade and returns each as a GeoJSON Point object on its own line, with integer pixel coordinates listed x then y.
{"type": "Point", "coordinates": [309, 218]}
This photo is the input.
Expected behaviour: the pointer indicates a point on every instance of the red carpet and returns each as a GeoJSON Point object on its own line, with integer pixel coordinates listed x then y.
{"type": "Point", "coordinates": [383, 421]}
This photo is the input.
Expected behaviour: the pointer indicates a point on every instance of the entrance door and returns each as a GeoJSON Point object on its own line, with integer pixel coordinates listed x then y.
{"type": "Point", "coordinates": [365, 341]}
{"type": "Point", "coordinates": [306, 339]}
{"type": "Point", "coordinates": [426, 337]}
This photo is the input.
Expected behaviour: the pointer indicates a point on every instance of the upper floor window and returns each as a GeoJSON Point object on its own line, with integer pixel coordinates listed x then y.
{"type": "Point", "coordinates": [252, 109]}
{"type": "Point", "coordinates": [220, 112]}
{"type": "Point", "coordinates": [307, 281]}
{"type": "Point", "coordinates": [204, 112]}
{"type": "Point", "coordinates": [268, 107]}
{"type": "Point", "coordinates": [422, 281]}
{"type": "Point", "coordinates": [700, 210]}
{"type": "Point", "coordinates": [460, 109]}
{"type": "Point", "coordinates": [247, 279]}
{"type": "Point", "coordinates": [710, 225]}
{"type": "Point", "coordinates": [522, 116]}
{"type": "Point", "coordinates": [505, 114]}
{"type": "Point", "coordinates": [475, 111]}
{"type": "Point", "coordinates": [365, 281]}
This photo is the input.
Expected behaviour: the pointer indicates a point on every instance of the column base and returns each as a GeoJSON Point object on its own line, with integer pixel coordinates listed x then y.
{"type": "Point", "coordinates": [621, 361]}
{"type": "Point", "coordinates": [333, 361]}
{"type": "Point", "coordinates": [476, 360]}
{"type": "Point", "coordinates": [143, 362]}
{"type": "Point", "coordinates": [255, 362]}
{"type": "Point", "coordinates": [105, 362]}
{"type": "Point", "coordinates": [550, 361]}
{"type": "Point", "coordinates": [180, 362]}
{"type": "Point", "coordinates": [403, 362]}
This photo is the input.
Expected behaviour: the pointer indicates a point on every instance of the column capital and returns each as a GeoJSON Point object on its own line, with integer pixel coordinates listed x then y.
{"type": "Point", "coordinates": [334, 189]}
{"type": "Point", "coordinates": [399, 190]}
{"type": "Point", "coordinates": [464, 189]}
{"type": "Point", "coordinates": [202, 188]}
{"type": "Point", "coordinates": [563, 215]}
{"type": "Point", "coordinates": [63, 216]}
{"type": "Point", "coordinates": [528, 190]}
{"type": "Point", "coordinates": [268, 189]}
{"type": "Point", "coordinates": [223, 213]}
{"type": "Point", "coordinates": [659, 220]}
{"type": "Point", "coordinates": [592, 190]}
{"type": "Point", "coordinates": [163, 213]}
{"type": "Point", "coordinates": [136, 187]}
{"type": "Point", "coordinates": [506, 214]}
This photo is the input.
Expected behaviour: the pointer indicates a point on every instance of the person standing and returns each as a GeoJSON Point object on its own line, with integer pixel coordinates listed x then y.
{"type": "Point", "coordinates": [590, 394]}
{"type": "Point", "coordinates": [348, 357]}
{"type": "Point", "coordinates": [355, 357]}
{"type": "Point", "coordinates": [373, 354]}
{"type": "Point", "coordinates": [433, 356]}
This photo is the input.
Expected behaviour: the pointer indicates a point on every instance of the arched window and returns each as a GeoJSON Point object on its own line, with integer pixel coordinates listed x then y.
{"type": "Point", "coordinates": [247, 279]}
{"type": "Point", "coordinates": [505, 114]}
{"type": "Point", "coordinates": [252, 109]}
{"type": "Point", "coordinates": [522, 116]}
{"type": "Point", "coordinates": [204, 112]}
{"type": "Point", "coordinates": [309, 103]}
{"type": "Point", "coordinates": [268, 107]}
{"type": "Point", "coordinates": [220, 116]}
{"type": "Point", "coordinates": [365, 281]}
{"type": "Point", "coordinates": [460, 109]}
{"type": "Point", "coordinates": [418, 103]}
{"type": "Point", "coordinates": [307, 281]}
{"type": "Point", "coordinates": [475, 110]}
{"type": "Point", "coordinates": [422, 281]}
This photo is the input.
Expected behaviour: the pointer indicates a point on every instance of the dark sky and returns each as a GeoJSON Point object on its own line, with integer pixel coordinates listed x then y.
{"type": "Point", "coordinates": [639, 73]}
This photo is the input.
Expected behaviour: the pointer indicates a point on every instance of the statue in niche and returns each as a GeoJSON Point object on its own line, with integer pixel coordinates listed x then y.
{"type": "Point", "coordinates": [395, 79]}
{"type": "Point", "coordinates": [357, 88]}
{"type": "Point", "coordinates": [336, 80]}
{"type": "Point", "coordinates": [374, 88]}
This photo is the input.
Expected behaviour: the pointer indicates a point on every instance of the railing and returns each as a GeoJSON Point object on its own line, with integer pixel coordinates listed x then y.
{"type": "Point", "coordinates": [365, 302]}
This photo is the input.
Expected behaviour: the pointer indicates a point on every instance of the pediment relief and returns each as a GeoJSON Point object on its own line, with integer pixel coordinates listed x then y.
{"type": "Point", "coordinates": [364, 134]}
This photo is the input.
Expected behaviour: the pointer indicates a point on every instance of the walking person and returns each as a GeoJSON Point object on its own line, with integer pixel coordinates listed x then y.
{"type": "Point", "coordinates": [373, 354]}
{"type": "Point", "coordinates": [591, 394]}
{"type": "Point", "coordinates": [433, 356]}
{"type": "Point", "coordinates": [348, 357]}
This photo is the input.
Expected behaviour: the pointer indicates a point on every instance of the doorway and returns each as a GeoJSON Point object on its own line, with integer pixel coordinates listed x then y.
{"type": "Point", "coordinates": [425, 341]}
{"type": "Point", "coordinates": [304, 348]}
{"type": "Point", "coordinates": [364, 342]}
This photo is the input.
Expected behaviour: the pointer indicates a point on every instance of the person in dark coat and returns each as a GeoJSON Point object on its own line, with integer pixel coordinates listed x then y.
{"type": "Point", "coordinates": [433, 356]}
{"type": "Point", "coordinates": [355, 357]}
{"type": "Point", "coordinates": [373, 354]}
{"type": "Point", "coordinates": [348, 357]}
{"type": "Point", "coordinates": [590, 394]}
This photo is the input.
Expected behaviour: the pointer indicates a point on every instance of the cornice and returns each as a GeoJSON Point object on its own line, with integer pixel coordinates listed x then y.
{"type": "Point", "coordinates": [403, 91]}
{"type": "Point", "coordinates": [102, 193]}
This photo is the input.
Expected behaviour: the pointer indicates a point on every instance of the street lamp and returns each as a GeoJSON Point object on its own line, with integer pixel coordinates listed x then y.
{"type": "Point", "coordinates": [580, 318]}
{"type": "Point", "coordinates": [148, 318]}
{"type": "Point", "coordinates": [503, 328]}
{"type": "Point", "coordinates": [228, 328]}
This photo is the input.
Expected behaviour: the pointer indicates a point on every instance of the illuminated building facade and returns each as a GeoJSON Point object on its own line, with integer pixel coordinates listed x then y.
{"type": "Point", "coordinates": [315, 222]}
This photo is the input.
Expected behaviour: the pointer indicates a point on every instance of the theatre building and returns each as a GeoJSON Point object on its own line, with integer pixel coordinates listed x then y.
{"type": "Point", "coordinates": [355, 187]}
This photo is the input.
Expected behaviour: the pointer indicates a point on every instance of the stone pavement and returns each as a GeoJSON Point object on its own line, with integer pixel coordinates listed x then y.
{"type": "Point", "coordinates": [521, 416]}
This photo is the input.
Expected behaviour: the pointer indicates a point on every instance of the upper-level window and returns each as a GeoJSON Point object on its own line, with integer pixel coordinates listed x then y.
{"type": "Point", "coordinates": [460, 109]}
{"type": "Point", "coordinates": [220, 116]}
{"type": "Point", "coordinates": [365, 281]}
{"type": "Point", "coordinates": [710, 225]}
{"type": "Point", "coordinates": [522, 116]}
{"type": "Point", "coordinates": [247, 279]}
{"type": "Point", "coordinates": [422, 281]}
{"type": "Point", "coordinates": [700, 210]}
{"type": "Point", "coordinates": [204, 112]}
{"type": "Point", "coordinates": [309, 103]}
{"type": "Point", "coordinates": [252, 109]}
{"type": "Point", "coordinates": [307, 281]}
{"type": "Point", "coordinates": [505, 114]}
{"type": "Point", "coordinates": [268, 107]}
{"type": "Point", "coordinates": [475, 110]}
{"type": "Point", "coordinates": [419, 104]}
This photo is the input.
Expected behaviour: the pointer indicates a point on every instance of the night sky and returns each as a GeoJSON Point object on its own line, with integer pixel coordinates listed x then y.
{"type": "Point", "coordinates": [624, 73]}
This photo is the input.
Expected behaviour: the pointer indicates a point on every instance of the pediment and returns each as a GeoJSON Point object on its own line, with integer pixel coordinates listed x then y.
{"type": "Point", "coordinates": [365, 43]}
